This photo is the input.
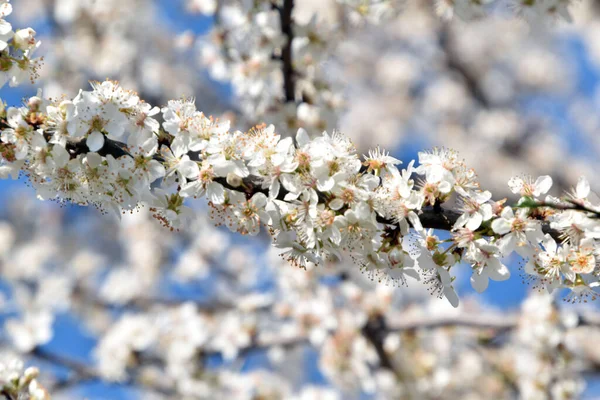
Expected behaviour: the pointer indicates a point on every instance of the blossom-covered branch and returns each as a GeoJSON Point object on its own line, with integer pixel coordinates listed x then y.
{"type": "Point", "coordinates": [317, 197]}
{"type": "Point", "coordinates": [17, 47]}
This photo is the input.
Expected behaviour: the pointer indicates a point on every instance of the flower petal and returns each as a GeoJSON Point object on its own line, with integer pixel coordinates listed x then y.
{"type": "Point", "coordinates": [496, 270]}
{"type": "Point", "coordinates": [479, 281]}
{"type": "Point", "coordinates": [542, 185]}
{"type": "Point", "coordinates": [501, 226]}
{"type": "Point", "coordinates": [95, 141]}
{"type": "Point", "coordinates": [583, 188]}
{"type": "Point", "coordinates": [474, 221]}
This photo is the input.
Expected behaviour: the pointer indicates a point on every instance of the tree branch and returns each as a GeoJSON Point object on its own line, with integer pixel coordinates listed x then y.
{"type": "Point", "coordinates": [82, 372]}
{"type": "Point", "coordinates": [431, 218]}
{"type": "Point", "coordinates": [289, 84]}
{"type": "Point", "coordinates": [454, 64]}
{"type": "Point", "coordinates": [376, 329]}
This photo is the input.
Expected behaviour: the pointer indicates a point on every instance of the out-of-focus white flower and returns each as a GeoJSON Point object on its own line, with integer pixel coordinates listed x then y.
{"type": "Point", "coordinates": [33, 329]}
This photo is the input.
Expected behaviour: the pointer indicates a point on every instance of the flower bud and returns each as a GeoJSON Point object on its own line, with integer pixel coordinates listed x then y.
{"type": "Point", "coordinates": [34, 103]}
{"type": "Point", "coordinates": [31, 373]}
{"type": "Point", "coordinates": [234, 180]}
{"type": "Point", "coordinates": [24, 38]}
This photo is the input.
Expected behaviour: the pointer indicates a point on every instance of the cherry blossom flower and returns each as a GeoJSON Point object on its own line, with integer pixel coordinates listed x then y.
{"type": "Point", "coordinates": [518, 230]}
{"type": "Point", "coordinates": [20, 134]}
{"type": "Point", "coordinates": [526, 186]}
{"type": "Point", "coordinates": [251, 214]}
{"type": "Point", "coordinates": [550, 264]}
{"type": "Point", "coordinates": [34, 329]}
{"type": "Point", "coordinates": [486, 265]}
{"type": "Point", "coordinates": [475, 211]}
{"type": "Point", "coordinates": [583, 260]}
{"type": "Point", "coordinates": [96, 119]}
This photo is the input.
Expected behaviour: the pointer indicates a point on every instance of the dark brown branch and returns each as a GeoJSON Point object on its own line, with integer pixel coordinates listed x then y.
{"type": "Point", "coordinates": [289, 84]}
{"type": "Point", "coordinates": [82, 372]}
{"type": "Point", "coordinates": [455, 64]}
{"type": "Point", "coordinates": [572, 205]}
{"type": "Point", "coordinates": [375, 332]}
{"type": "Point", "coordinates": [514, 147]}
{"type": "Point", "coordinates": [8, 395]}
{"type": "Point", "coordinates": [111, 147]}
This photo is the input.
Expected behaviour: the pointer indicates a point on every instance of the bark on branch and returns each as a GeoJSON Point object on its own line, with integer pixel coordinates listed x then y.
{"type": "Point", "coordinates": [289, 85]}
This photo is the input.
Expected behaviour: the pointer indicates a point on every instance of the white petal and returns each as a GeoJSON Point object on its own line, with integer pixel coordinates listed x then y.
{"type": "Point", "coordinates": [157, 170]}
{"type": "Point", "coordinates": [583, 188]}
{"type": "Point", "coordinates": [451, 296]}
{"type": "Point", "coordinates": [475, 221]}
{"type": "Point", "coordinates": [445, 187]}
{"type": "Point", "coordinates": [277, 159]}
{"type": "Point", "coordinates": [496, 270]}
{"type": "Point", "coordinates": [525, 251]}
{"type": "Point", "coordinates": [535, 235]}
{"type": "Point", "coordinates": [284, 145]}
{"type": "Point", "coordinates": [94, 159]}
{"type": "Point", "coordinates": [325, 185]}
{"type": "Point", "coordinates": [415, 221]}
{"type": "Point", "coordinates": [190, 189]}
{"type": "Point", "coordinates": [479, 281]}
{"type": "Point", "coordinates": [486, 211]}
{"type": "Point", "coordinates": [461, 221]}
{"type": "Point", "coordinates": [179, 146]}
{"type": "Point", "coordinates": [5, 28]}
{"type": "Point", "coordinates": [302, 137]}
{"type": "Point", "coordinates": [336, 204]}
{"type": "Point", "coordinates": [259, 200]}
{"type": "Point", "coordinates": [426, 262]}
{"type": "Point", "coordinates": [289, 182]}
{"type": "Point", "coordinates": [215, 193]}
{"type": "Point", "coordinates": [530, 268]}
{"type": "Point", "coordinates": [507, 244]}
{"type": "Point", "coordinates": [95, 141]}
{"type": "Point", "coordinates": [189, 169]}
{"type": "Point", "coordinates": [515, 184]}
{"type": "Point", "coordinates": [60, 155]}
{"type": "Point", "coordinates": [274, 189]}
{"type": "Point", "coordinates": [549, 244]}
{"type": "Point", "coordinates": [507, 213]}
{"type": "Point", "coordinates": [542, 185]}
{"type": "Point", "coordinates": [501, 226]}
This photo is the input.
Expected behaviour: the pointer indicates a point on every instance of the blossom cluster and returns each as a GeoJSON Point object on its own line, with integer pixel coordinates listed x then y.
{"type": "Point", "coordinates": [468, 82]}
{"type": "Point", "coordinates": [90, 40]}
{"type": "Point", "coordinates": [17, 48]}
{"type": "Point", "coordinates": [16, 382]}
{"type": "Point", "coordinates": [272, 61]}
{"type": "Point", "coordinates": [536, 11]}
{"type": "Point", "coordinates": [548, 367]}
{"type": "Point", "coordinates": [318, 198]}
{"type": "Point", "coordinates": [375, 11]}
{"type": "Point", "coordinates": [248, 45]}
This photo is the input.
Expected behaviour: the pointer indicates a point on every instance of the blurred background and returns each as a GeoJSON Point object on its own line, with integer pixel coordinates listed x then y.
{"type": "Point", "coordinates": [125, 309]}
